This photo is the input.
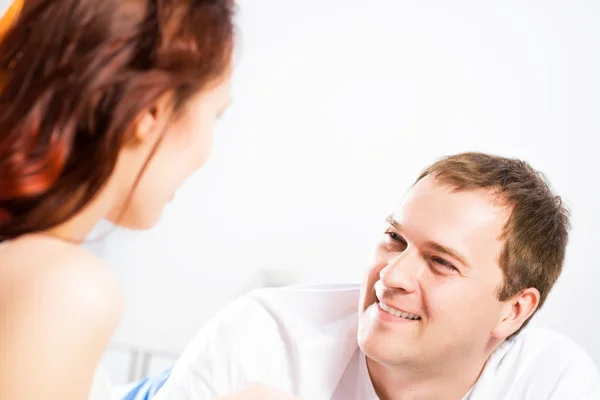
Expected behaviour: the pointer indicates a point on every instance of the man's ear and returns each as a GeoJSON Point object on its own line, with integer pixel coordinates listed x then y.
{"type": "Point", "coordinates": [516, 312]}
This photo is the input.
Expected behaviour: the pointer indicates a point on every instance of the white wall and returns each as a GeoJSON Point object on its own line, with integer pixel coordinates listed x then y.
{"type": "Point", "coordinates": [337, 106]}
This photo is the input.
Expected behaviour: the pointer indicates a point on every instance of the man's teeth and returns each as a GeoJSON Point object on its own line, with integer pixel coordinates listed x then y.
{"type": "Point", "coordinates": [398, 313]}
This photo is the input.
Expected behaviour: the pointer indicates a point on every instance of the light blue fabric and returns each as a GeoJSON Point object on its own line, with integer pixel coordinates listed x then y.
{"type": "Point", "coordinates": [147, 388]}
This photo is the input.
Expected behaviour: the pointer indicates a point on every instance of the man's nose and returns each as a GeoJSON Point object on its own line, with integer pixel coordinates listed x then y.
{"type": "Point", "coordinates": [403, 272]}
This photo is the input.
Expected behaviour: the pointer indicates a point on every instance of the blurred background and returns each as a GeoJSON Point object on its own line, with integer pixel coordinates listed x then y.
{"type": "Point", "coordinates": [337, 106]}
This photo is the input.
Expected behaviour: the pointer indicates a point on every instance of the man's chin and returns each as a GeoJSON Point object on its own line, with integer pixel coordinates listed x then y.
{"type": "Point", "coordinates": [385, 351]}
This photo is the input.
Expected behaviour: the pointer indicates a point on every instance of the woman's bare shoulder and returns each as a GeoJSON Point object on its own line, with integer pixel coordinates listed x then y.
{"type": "Point", "coordinates": [37, 262]}
{"type": "Point", "coordinates": [59, 305]}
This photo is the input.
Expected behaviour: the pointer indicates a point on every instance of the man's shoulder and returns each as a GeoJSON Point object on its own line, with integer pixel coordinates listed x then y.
{"type": "Point", "coordinates": [312, 304]}
{"type": "Point", "coordinates": [267, 316]}
{"type": "Point", "coordinates": [289, 311]}
{"type": "Point", "coordinates": [544, 362]}
{"type": "Point", "coordinates": [272, 335]}
{"type": "Point", "coordinates": [543, 344]}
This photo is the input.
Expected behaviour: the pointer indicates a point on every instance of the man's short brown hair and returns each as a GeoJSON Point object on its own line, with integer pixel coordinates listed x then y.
{"type": "Point", "coordinates": [536, 234]}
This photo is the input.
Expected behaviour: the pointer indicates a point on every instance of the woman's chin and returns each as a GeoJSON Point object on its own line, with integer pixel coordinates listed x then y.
{"type": "Point", "coordinates": [139, 220]}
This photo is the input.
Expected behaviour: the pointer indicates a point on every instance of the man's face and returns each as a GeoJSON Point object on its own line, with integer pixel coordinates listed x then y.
{"type": "Point", "coordinates": [430, 295]}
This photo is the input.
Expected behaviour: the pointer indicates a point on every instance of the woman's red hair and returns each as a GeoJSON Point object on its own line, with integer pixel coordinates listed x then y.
{"type": "Point", "coordinates": [75, 75]}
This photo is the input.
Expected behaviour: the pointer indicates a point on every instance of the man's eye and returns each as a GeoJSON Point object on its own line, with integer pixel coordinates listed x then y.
{"type": "Point", "coordinates": [394, 236]}
{"type": "Point", "coordinates": [444, 263]}
{"type": "Point", "coordinates": [394, 239]}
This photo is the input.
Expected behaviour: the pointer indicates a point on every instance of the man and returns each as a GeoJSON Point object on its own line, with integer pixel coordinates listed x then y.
{"type": "Point", "coordinates": [465, 261]}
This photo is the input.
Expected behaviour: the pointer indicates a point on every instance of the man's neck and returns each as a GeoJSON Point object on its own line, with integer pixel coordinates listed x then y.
{"type": "Point", "coordinates": [450, 382]}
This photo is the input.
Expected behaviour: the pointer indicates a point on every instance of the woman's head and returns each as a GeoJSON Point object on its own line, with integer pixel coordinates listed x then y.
{"type": "Point", "coordinates": [111, 97]}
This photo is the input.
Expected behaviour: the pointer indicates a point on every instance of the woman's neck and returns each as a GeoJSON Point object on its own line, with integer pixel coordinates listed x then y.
{"type": "Point", "coordinates": [78, 227]}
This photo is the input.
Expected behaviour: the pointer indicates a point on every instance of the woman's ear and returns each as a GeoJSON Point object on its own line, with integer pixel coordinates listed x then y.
{"type": "Point", "coordinates": [150, 121]}
{"type": "Point", "coordinates": [146, 124]}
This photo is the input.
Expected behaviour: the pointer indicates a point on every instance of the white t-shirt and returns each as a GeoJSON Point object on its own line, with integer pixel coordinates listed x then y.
{"type": "Point", "coordinates": [302, 340]}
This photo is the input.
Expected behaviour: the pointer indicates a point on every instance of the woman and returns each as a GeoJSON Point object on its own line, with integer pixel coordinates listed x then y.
{"type": "Point", "coordinates": [106, 107]}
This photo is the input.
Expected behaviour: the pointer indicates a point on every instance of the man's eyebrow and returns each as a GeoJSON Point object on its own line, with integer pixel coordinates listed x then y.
{"type": "Point", "coordinates": [392, 221]}
{"type": "Point", "coordinates": [433, 245]}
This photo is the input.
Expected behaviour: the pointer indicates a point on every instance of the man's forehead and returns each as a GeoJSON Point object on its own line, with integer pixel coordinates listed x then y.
{"type": "Point", "coordinates": [435, 212]}
{"type": "Point", "coordinates": [431, 191]}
